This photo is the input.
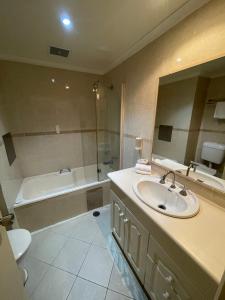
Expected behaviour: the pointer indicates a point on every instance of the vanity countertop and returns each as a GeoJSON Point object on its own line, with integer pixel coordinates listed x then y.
{"type": "Point", "coordinates": [202, 236]}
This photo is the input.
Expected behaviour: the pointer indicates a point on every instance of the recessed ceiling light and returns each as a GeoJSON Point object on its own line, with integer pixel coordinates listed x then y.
{"type": "Point", "coordinates": [53, 80]}
{"type": "Point", "coordinates": [67, 87]}
{"type": "Point", "coordinates": [179, 59]}
{"type": "Point", "coordinates": [66, 21]}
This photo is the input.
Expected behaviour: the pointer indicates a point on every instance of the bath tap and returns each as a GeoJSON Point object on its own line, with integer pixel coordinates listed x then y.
{"type": "Point", "coordinates": [65, 170]}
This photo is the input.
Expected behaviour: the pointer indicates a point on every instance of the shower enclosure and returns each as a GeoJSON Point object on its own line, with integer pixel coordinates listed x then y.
{"type": "Point", "coordinates": [108, 106]}
{"type": "Point", "coordinates": [56, 120]}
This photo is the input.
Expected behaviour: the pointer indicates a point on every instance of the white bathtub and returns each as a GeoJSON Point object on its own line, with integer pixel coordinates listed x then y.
{"type": "Point", "coordinates": [38, 188]}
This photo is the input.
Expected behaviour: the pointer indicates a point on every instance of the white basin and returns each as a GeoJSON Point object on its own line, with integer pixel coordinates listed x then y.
{"type": "Point", "coordinates": [205, 178]}
{"type": "Point", "coordinates": [166, 200]}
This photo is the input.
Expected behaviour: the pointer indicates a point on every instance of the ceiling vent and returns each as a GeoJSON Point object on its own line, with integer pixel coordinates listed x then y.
{"type": "Point", "coordinates": [59, 51]}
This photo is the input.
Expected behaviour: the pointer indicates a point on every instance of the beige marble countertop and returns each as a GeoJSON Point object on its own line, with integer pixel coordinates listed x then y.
{"type": "Point", "coordinates": [202, 236]}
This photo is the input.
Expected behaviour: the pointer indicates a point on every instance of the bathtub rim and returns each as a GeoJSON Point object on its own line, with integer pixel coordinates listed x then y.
{"type": "Point", "coordinates": [23, 202]}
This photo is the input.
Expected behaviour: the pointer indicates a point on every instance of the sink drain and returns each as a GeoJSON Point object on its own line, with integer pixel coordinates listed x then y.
{"type": "Point", "coordinates": [161, 206]}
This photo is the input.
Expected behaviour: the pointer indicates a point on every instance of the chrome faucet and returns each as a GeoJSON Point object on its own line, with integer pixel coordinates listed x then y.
{"type": "Point", "coordinates": [65, 170]}
{"type": "Point", "coordinates": [191, 165]}
{"type": "Point", "coordinates": [163, 179]}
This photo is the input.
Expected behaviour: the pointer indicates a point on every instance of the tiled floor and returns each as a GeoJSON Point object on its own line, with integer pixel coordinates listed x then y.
{"type": "Point", "coordinates": [79, 260]}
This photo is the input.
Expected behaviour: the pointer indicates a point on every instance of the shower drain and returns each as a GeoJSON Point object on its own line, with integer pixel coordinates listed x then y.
{"type": "Point", "coordinates": [96, 213]}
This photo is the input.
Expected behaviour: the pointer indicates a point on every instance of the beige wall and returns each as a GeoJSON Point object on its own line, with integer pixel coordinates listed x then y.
{"type": "Point", "coordinates": [34, 106]}
{"type": "Point", "coordinates": [197, 39]}
{"type": "Point", "coordinates": [10, 176]}
{"type": "Point", "coordinates": [212, 129]}
{"type": "Point", "coordinates": [174, 108]}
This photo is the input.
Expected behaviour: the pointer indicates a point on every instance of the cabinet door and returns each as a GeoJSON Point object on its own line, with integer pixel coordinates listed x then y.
{"type": "Point", "coordinates": [136, 241]}
{"type": "Point", "coordinates": [118, 212]}
{"type": "Point", "coordinates": [165, 285]}
{"type": "Point", "coordinates": [162, 279]}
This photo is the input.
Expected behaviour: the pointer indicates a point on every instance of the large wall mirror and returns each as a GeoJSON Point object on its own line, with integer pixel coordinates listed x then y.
{"type": "Point", "coordinates": [189, 134]}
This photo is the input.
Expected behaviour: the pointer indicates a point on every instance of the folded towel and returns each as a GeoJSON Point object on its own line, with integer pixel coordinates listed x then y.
{"type": "Point", "coordinates": [220, 110]}
{"type": "Point", "coordinates": [143, 161]}
{"type": "Point", "coordinates": [143, 168]}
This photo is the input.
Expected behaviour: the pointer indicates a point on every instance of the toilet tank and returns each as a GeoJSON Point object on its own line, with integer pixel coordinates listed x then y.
{"type": "Point", "coordinates": [213, 152]}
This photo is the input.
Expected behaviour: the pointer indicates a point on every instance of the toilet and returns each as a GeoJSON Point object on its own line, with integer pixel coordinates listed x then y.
{"type": "Point", "coordinates": [20, 240]}
{"type": "Point", "coordinates": [213, 153]}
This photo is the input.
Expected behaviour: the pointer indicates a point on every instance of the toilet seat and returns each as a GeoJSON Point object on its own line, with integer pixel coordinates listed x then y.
{"type": "Point", "coordinates": [20, 240]}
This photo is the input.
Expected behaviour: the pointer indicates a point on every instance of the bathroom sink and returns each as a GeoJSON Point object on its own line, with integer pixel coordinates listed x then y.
{"type": "Point", "coordinates": [166, 200]}
{"type": "Point", "coordinates": [205, 178]}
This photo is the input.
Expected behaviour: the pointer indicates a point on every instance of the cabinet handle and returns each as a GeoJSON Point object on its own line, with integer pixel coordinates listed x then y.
{"type": "Point", "coordinates": [169, 279]}
{"type": "Point", "coordinates": [125, 220]}
{"type": "Point", "coordinates": [166, 295]}
{"type": "Point", "coordinates": [121, 214]}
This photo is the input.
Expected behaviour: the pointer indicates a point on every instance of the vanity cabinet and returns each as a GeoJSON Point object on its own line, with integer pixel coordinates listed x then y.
{"type": "Point", "coordinates": [118, 215]}
{"type": "Point", "coordinates": [135, 244]}
{"type": "Point", "coordinates": [161, 277]}
{"type": "Point", "coordinates": [159, 274]}
{"type": "Point", "coordinates": [130, 234]}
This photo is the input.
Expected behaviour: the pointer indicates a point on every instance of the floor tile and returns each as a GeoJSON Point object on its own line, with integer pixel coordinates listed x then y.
{"type": "Point", "coordinates": [55, 285]}
{"type": "Point", "coordinates": [83, 246]}
{"type": "Point", "coordinates": [123, 280]}
{"type": "Point", "coordinates": [36, 270]}
{"type": "Point", "coordinates": [65, 228]}
{"type": "Point", "coordinates": [115, 296]}
{"type": "Point", "coordinates": [97, 266]}
{"type": "Point", "coordinates": [100, 239]}
{"type": "Point", "coordinates": [46, 245]}
{"type": "Point", "coordinates": [84, 230]}
{"type": "Point", "coordinates": [114, 249]}
{"type": "Point", "coordinates": [86, 290]}
{"type": "Point", "coordinates": [71, 256]}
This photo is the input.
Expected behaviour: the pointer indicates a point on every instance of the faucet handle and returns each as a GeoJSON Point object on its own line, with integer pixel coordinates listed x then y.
{"type": "Point", "coordinates": [173, 186]}
{"type": "Point", "coordinates": [183, 192]}
{"type": "Point", "coordinates": [194, 165]}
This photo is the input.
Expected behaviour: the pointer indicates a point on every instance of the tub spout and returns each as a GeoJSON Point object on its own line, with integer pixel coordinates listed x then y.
{"type": "Point", "coordinates": [65, 170]}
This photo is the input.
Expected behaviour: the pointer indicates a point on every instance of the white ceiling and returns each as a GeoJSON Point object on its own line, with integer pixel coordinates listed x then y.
{"type": "Point", "coordinates": [105, 32]}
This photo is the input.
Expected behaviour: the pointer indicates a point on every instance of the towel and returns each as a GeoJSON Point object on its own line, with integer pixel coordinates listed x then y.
{"type": "Point", "coordinates": [220, 110]}
{"type": "Point", "coordinates": [143, 161]}
{"type": "Point", "coordinates": [143, 169]}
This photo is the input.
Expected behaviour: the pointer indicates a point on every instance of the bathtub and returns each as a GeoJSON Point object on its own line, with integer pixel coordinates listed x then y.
{"type": "Point", "coordinates": [47, 199]}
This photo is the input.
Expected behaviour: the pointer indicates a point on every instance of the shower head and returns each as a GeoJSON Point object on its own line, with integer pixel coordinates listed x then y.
{"type": "Point", "coordinates": [95, 86]}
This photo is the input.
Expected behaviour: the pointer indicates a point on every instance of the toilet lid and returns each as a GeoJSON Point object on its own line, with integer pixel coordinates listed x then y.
{"type": "Point", "coordinates": [20, 240]}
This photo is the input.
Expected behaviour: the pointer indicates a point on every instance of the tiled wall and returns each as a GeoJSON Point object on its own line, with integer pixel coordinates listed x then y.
{"type": "Point", "coordinates": [10, 176]}
{"type": "Point", "coordinates": [197, 39]}
{"type": "Point", "coordinates": [34, 105]}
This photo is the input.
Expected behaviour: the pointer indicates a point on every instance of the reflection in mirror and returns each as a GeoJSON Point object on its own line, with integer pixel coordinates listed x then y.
{"type": "Point", "coordinates": [189, 132]}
